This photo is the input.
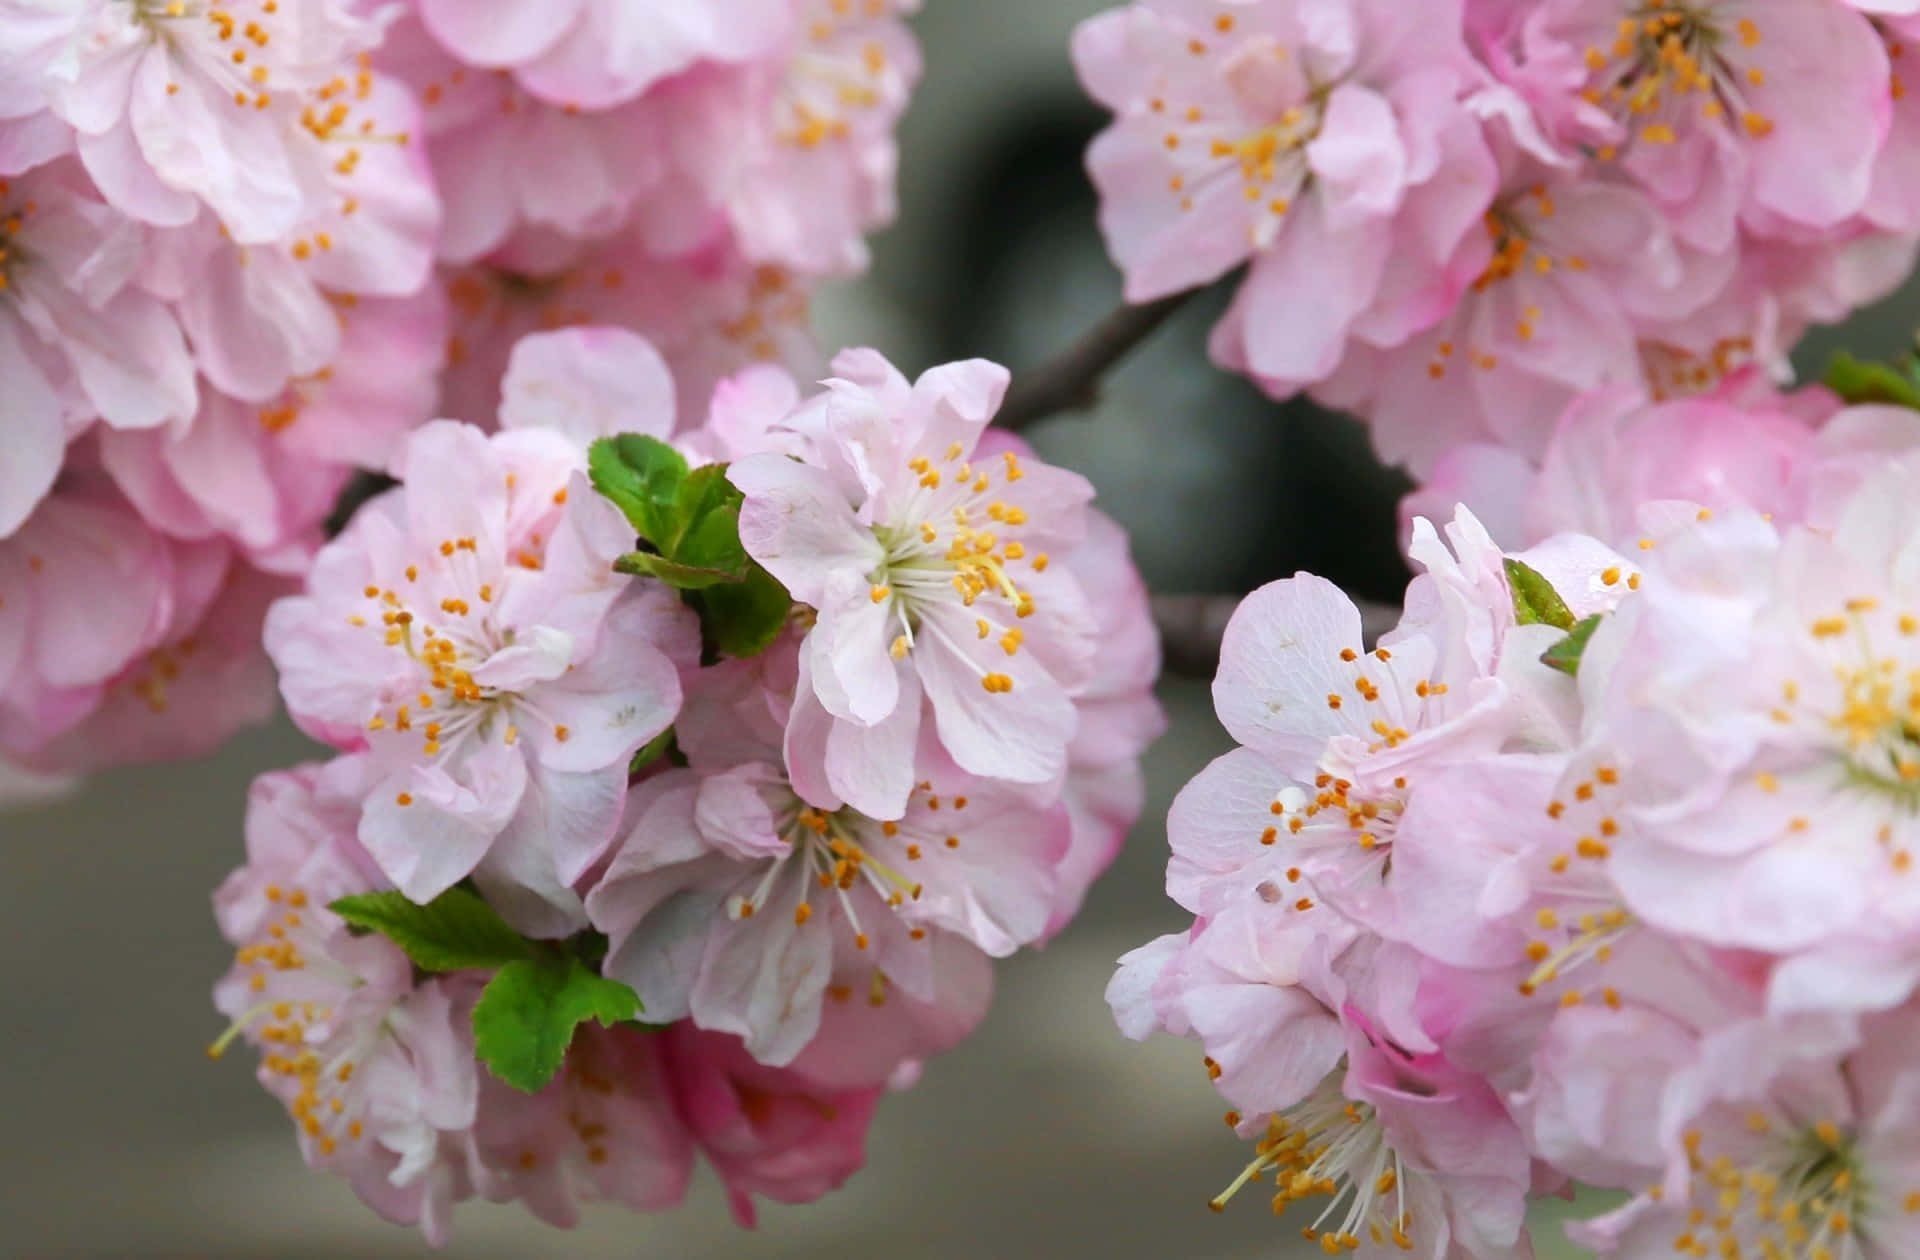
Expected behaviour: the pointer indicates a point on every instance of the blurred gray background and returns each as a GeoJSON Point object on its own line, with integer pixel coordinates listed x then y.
{"type": "Point", "coordinates": [1045, 1135]}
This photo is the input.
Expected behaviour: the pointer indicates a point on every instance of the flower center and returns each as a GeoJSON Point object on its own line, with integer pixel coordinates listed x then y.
{"type": "Point", "coordinates": [833, 77]}
{"type": "Point", "coordinates": [1329, 1146]}
{"type": "Point", "coordinates": [12, 220]}
{"type": "Point", "coordinates": [954, 539]}
{"type": "Point", "coordinates": [1874, 720]}
{"type": "Point", "coordinates": [290, 958]}
{"type": "Point", "coordinates": [1669, 60]}
{"type": "Point", "coordinates": [1801, 1197]}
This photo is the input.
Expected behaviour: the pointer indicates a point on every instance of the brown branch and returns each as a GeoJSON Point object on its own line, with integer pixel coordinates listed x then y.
{"type": "Point", "coordinates": [1070, 381]}
{"type": "Point", "coordinates": [1191, 627]}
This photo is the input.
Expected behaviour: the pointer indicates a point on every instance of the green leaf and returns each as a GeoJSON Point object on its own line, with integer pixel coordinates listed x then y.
{"type": "Point", "coordinates": [1861, 381]}
{"type": "Point", "coordinates": [743, 619]}
{"type": "Point", "coordinates": [455, 931]}
{"type": "Point", "coordinates": [1565, 655]}
{"type": "Point", "coordinates": [524, 1020]}
{"type": "Point", "coordinates": [654, 749]}
{"type": "Point", "coordinates": [642, 476]}
{"type": "Point", "coordinates": [1535, 602]}
{"type": "Point", "coordinates": [705, 492]}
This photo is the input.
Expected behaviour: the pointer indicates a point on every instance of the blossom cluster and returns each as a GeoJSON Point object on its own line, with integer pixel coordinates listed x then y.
{"type": "Point", "coordinates": [1598, 868]}
{"type": "Point", "coordinates": [246, 246]}
{"type": "Point", "coordinates": [765, 795]}
{"type": "Point", "coordinates": [1453, 227]}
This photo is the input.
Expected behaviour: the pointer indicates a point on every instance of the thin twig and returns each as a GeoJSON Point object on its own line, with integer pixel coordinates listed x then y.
{"type": "Point", "coordinates": [1071, 380]}
{"type": "Point", "coordinates": [1191, 627]}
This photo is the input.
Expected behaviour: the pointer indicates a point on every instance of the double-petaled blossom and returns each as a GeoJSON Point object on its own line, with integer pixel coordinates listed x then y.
{"type": "Point", "coordinates": [469, 632]}
{"type": "Point", "coordinates": [1325, 146]}
{"type": "Point", "coordinates": [929, 565]}
{"type": "Point", "coordinates": [734, 900]}
{"type": "Point", "coordinates": [375, 1068]}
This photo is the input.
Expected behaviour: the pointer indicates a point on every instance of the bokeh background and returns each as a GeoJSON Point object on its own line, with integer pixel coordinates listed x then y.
{"type": "Point", "coordinates": [1045, 1135]}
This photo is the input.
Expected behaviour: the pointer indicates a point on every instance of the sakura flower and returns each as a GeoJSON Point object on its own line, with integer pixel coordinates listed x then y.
{"type": "Point", "coordinates": [179, 104]}
{"type": "Point", "coordinates": [709, 314]}
{"type": "Point", "coordinates": [793, 151]}
{"type": "Point", "coordinates": [1794, 1136]}
{"type": "Point", "coordinates": [605, 1129]}
{"type": "Point", "coordinates": [1411, 1153]}
{"type": "Point", "coordinates": [1759, 111]}
{"type": "Point", "coordinates": [1765, 684]}
{"type": "Point", "coordinates": [767, 1131]}
{"type": "Point", "coordinates": [1570, 267]}
{"type": "Point", "coordinates": [735, 901]}
{"type": "Point", "coordinates": [592, 54]}
{"type": "Point", "coordinates": [376, 1070]}
{"type": "Point", "coordinates": [168, 668]}
{"type": "Point", "coordinates": [468, 629]}
{"type": "Point", "coordinates": [932, 578]}
{"type": "Point", "coordinates": [79, 337]}
{"type": "Point", "coordinates": [1324, 145]}
{"type": "Point", "coordinates": [505, 160]}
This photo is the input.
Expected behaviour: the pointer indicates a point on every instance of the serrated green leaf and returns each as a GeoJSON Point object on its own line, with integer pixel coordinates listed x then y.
{"type": "Point", "coordinates": [713, 542]}
{"type": "Point", "coordinates": [685, 577]}
{"type": "Point", "coordinates": [744, 618]}
{"type": "Point", "coordinates": [1535, 602]}
{"type": "Point", "coordinates": [526, 1017]}
{"type": "Point", "coordinates": [456, 931]}
{"type": "Point", "coordinates": [1566, 654]}
{"type": "Point", "coordinates": [1864, 381]}
{"type": "Point", "coordinates": [705, 491]}
{"type": "Point", "coordinates": [642, 476]}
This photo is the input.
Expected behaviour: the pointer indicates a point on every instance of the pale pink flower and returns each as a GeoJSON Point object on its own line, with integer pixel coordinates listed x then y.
{"type": "Point", "coordinates": [793, 151]}
{"type": "Point", "coordinates": [469, 630]}
{"type": "Point", "coordinates": [586, 384]}
{"type": "Point", "coordinates": [166, 668]}
{"type": "Point", "coordinates": [932, 581]}
{"type": "Point", "coordinates": [709, 314]}
{"type": "Point", "coordinates": [377, 1071]}
{"type": "Point", "coordinates": [1412, 1155]}
{"type": "Point", "coordinates": [1571, 265]}
{"type": "Point", "coordinates": [505, 160]}
{"type": "Point", "coordinates": [593, 54]}
{"type": "Point", "coordinates": [767, 1131]}
{"type": "Point", "coordinates": [79, 337]}
{"type": "Point", "coordinates": [603, 1130]}
{"type": "Point", "coordinates": [180, 105]}
{"type": "Point", "coordinates": [1761, 696]}
{"type": "Point", "coordinates": [735, 901]}
{"type": "Point", "coordinates": [1782, 1136]}
{"type": "Point", "coordinates": [1324, 144]}
{"type": "Point", "coordinates": [1720, 114]}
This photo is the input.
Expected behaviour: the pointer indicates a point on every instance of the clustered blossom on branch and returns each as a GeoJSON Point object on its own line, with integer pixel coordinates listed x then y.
{"type": "Point", "coordinates": [1452, 227]}
{"type": "Point", "coordinates": [1598, 868]}
{"type": "Point", "coordinates": [768, 826]}
{"type": "Point", "coordinates": [245, 247]}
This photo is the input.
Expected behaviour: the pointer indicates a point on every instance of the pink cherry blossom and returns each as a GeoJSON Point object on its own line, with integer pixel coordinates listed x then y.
{"type": "Point", "coordinates": [469, 631]}
{"type": "Point", "coordinates": [1795, 1134]}
{"type": "Point", "coordinates": [1761, 688]}
{"type": "Point", "coordinates": [733, 900]}
{"type": "Point", "coordinates": [932, 580]}
{"type": "Point", "coordinates": [709, 314]}
{"type": "Point", "coordinates": [794, 152]}
{"type": "Point", "coordinates": [167, 668]}
{"type": "Point", "coordinates": [179, 107]}
{"type": "Point", "coordinates": [1756, 111]}
{"type": "Point", "coordinates": [1225, 150]}
{"type": "Point", "coordinates": [593, 54]}
{"type": "Point", "coordinates": [765, 1130]}
{"type": "Point", "coordinates": [79, 336]}
{"type": "Point", "coordinates": [605, 1129]}
{"type": "Point", "coordinates": [376, 1071]}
